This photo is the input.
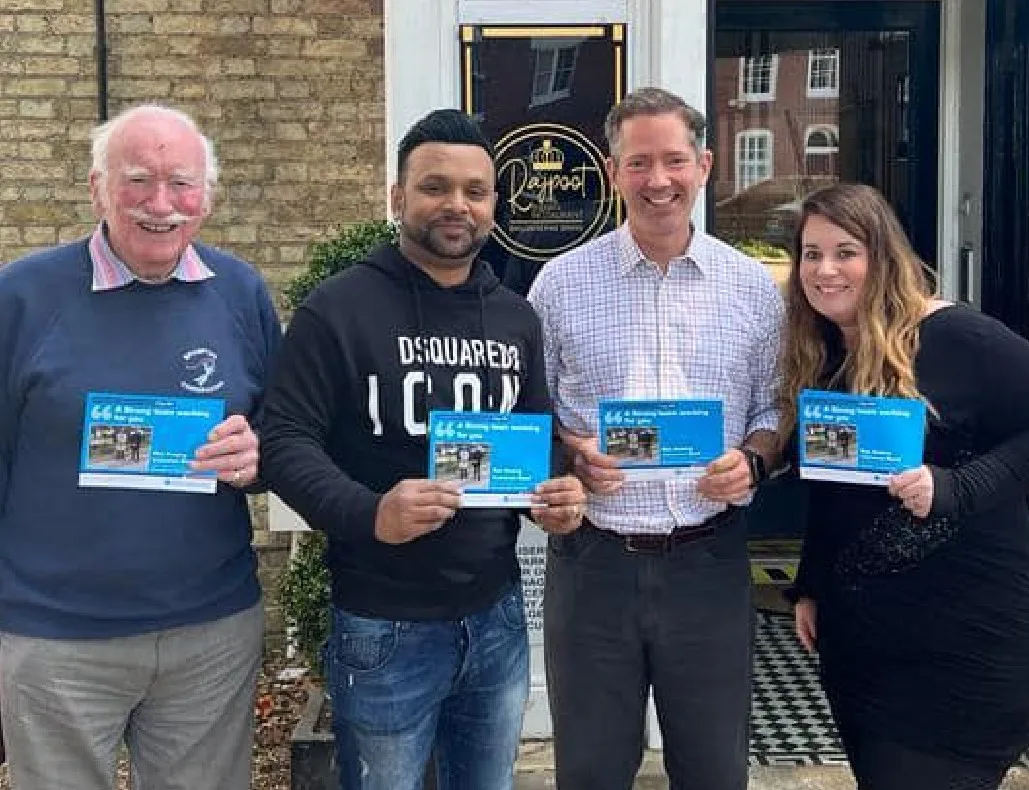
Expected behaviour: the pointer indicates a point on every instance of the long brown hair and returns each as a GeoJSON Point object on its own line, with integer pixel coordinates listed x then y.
{"type": "Point", "coordinates": [893, 302]}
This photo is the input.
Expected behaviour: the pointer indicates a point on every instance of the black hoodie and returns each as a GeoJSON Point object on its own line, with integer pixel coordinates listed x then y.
{"type": "Point", "coordinates": [345, 417]}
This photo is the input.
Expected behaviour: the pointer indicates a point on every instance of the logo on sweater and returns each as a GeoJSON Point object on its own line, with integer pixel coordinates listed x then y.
{"type": "Point", "coordinates": [201, 372]}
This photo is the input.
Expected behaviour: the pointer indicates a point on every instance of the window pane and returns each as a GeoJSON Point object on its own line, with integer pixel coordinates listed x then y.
{"type": "Point", "coordinates": [754, 159]}
{"type": "Point", "coordinates": [832, 106]}
{"type": "Point", "coordinates": [544, 71]}
{"type": "Point", "coordinates": [824, 70]}
{"type": "Point", "coordinates": [758, 75]}
{"type": "Point", "coordinates": [566, 58]}
{"type": "Point", "coordinates": [565, 68]}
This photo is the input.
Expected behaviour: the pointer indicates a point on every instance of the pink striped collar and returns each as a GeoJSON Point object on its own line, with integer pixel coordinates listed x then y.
{"type": "Point", "coordinates": [110, 273]}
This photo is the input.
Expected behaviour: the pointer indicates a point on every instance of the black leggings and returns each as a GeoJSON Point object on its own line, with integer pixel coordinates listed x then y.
{"type": "Point", "coordinates": [886, 765]}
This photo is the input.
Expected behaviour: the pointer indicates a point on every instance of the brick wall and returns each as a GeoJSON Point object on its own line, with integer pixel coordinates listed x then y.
{"type": "Point", "coordinates": [291, 92]}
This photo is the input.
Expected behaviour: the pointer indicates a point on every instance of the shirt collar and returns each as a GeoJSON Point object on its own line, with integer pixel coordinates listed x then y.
{"type": "Point", "coordinates": [630, 255]}
{"type": "Point", "coordinates": [109, 272]}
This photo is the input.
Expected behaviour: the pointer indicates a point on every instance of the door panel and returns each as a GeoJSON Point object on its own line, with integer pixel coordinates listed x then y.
{"type": "Point", "coordinates": [1005, 271]}
{"type": "Point", "coordinates": [805, 94]}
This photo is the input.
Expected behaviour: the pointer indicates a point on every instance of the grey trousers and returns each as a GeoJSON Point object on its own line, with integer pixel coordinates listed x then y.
{"type": "Point", "coordinates": [618, 624]}
{"type": "Point", "coordinates": [182, 701]}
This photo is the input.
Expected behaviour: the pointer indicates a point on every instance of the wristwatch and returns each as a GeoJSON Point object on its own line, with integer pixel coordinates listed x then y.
{"type": "Point", "coordinates": [756, 462]}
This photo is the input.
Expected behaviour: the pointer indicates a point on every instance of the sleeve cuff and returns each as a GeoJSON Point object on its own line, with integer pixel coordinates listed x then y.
{"type": "Point", "coordinates": [767, 420]}
{"type": "Point", "coordinates": [945, 501]}
{"type": "Point", "coordinates": [363, 513]}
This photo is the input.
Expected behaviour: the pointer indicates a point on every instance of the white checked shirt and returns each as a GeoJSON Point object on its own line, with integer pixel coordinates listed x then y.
{"type": "Point", "coordinates": [614, 326]}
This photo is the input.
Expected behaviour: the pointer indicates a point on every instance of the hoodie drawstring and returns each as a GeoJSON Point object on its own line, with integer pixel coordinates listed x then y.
{"type": "Point", "coordinates": [420, 321]}
{"type": "Point", "coordinates": [485, 405]}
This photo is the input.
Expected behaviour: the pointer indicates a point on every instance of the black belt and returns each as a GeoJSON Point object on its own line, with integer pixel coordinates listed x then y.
{"type": "Point", "coordinates": [662, 544]}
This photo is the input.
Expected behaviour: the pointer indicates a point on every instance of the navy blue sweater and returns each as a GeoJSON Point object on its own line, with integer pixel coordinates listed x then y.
{"type": "Point", "coordinates": [99, 562]}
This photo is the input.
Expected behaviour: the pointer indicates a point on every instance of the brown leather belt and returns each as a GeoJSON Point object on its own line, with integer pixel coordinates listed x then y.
{"type": "Point", "coordinates": [662, 544]}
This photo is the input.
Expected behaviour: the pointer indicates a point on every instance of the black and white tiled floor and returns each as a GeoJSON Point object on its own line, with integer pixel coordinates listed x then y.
{"type": "Point", "coordinates": [790, 722]}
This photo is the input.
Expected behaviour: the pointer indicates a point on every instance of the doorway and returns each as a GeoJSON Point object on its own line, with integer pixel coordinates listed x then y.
{"type": "Point", "coordinates": [802, 94]}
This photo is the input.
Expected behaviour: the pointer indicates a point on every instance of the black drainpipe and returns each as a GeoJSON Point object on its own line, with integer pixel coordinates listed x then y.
{"type": "Point", "coordinates": [101, 60]}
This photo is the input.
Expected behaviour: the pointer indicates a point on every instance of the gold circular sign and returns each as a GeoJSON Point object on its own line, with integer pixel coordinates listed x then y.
{"type": "Point", "coordinates": [553, 192]}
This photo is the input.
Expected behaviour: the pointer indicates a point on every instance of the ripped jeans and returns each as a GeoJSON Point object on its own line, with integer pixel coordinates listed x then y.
{"type": "Point", "coordinates": [398, 688]}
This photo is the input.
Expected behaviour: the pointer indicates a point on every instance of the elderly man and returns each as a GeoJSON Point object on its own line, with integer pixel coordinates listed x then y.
{"type": "Point", "coordinates": [129, 614]}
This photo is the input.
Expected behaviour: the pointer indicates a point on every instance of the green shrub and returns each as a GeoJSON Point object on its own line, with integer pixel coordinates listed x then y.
{"type": "Point", "coordinates": [304, 586]}
{"type": "Point", "coordinates": [762, 250]}
{"type": "Point", "coordinates": [304, 595]}
{"type": "Point", "coordinates": [335, 254]}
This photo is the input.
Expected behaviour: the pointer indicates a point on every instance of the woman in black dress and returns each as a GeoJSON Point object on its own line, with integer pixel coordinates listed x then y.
{"type": "Point", "coordinates": [915, 596]}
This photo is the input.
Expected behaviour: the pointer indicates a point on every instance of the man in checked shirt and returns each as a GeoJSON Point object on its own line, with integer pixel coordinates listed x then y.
{"type": "Point", "coordinates": [653, 593]}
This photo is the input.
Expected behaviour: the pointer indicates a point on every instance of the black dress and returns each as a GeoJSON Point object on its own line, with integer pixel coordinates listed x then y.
{"type": "Point", "coordinates": [923, 625]}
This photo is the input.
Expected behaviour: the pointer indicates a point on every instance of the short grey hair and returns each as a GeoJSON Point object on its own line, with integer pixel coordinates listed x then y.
{"type": "Point", "coordinates": [653, 101]}
{"type": "Point", "coordinates": [102, 134]}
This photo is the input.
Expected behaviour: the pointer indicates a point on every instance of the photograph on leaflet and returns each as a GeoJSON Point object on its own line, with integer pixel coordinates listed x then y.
{"type": "Point", "coordinates": [464, 463]}
{"type": "Point", "coordinates": [832, 443]}
{"type": "Point", "coordinates": [637, 445]}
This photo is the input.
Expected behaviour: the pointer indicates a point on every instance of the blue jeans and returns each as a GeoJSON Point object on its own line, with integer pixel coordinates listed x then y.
{"type": "Point", "coordinates": [397, 688]}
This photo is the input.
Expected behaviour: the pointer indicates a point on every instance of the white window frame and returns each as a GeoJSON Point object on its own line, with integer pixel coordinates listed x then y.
{"type": "Point", "coordinates": [743, 181]}
{"type": "Point", "coordinates": [821, 54]}
{"type": "Point", "coordinates": [809, 150]}
{"type": "Point", "coordinates": [746, 72]}
{"type": "Point", "coordinates": [553, 47]}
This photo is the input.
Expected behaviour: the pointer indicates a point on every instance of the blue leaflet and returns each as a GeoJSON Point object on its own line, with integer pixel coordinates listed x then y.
{"type": "Point", "coordinates": [858, 438]}
{"type": "Point", "coordinates": [497, 459]}
{"type": "Point", "coordinates": [146, 442]}
{"type": "Point", "coordinates": [662, 439]}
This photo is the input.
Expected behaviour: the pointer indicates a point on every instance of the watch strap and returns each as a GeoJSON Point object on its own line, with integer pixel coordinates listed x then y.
{"type": "Point", "coordinates": [756, 462]}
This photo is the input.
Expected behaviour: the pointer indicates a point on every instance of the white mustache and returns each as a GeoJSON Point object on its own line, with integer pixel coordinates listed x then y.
{"type": "Point", "coordinates": [176, 218]}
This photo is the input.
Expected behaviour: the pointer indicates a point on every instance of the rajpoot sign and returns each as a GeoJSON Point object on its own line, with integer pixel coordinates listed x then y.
{"type": "Point", "coordinates": [541, 94]}
{"type": "Point", "coordinates": [552, 191]}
